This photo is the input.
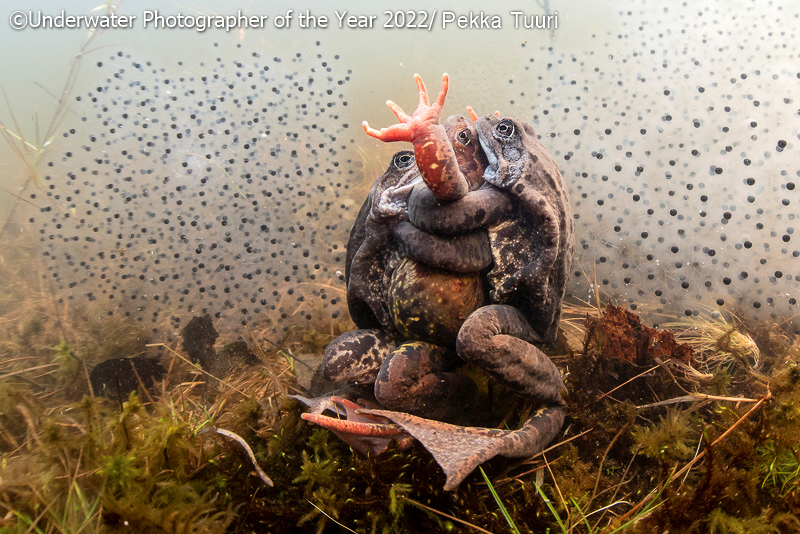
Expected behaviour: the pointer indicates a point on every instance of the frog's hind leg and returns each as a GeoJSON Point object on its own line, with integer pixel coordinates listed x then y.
{"type": "Point", "coordinates": [459, 450]}
{"type": "Point", "coordinates": [367, 434]}
{"type": "Point", "coordinates": [498, 339]}
{"type": "Point", "coordinates": [412, 379]}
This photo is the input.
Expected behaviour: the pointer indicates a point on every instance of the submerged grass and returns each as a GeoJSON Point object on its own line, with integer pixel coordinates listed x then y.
{"type": "Point", "coordinates": [648, 446]}
{"type": "Point", "coordinates": [29, 154]}
{"type": "Point", "coordinates": [506, 515]}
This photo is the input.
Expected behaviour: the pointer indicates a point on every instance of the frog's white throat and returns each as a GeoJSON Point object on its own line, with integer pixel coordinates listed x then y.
{"type": "Point", "coordinates": [490, 173]}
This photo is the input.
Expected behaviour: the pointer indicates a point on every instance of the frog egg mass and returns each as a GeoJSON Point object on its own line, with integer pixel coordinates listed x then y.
{"type": "Point", "coordinates": [681, 152]}
{"type": "Point", "coordinates": [231, 189]}
{"type": "Point", "coordinates": [222, 193]}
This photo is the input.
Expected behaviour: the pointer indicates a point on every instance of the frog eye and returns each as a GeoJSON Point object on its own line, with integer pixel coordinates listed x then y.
{"type": "Point", "coordinates": [403, 160]}
{"type": "Point", "coordinates": [464, 137]}
{"type": "Point", "coordinates": [505, 129]}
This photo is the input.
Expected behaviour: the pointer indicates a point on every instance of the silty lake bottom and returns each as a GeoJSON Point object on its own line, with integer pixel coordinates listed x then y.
{"type": "Point", "coordinates": [226, 185]}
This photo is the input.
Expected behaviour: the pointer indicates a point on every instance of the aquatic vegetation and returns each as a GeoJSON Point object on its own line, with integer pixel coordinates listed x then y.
{"type": "Point", "coordinates": [721, 523]}
{"type": "Point", "coordinates": [139, 460]}
{"type": "Point", "coordinates": [670, 439]}
{"type": "Point", "coordinates": [782, 466]}
{"type": "Point", "coordinates": [145, 464]}
{"type": "Point", "coordinates": [68, 365]}
{"type": "Point", "coordinates": [30, 154]}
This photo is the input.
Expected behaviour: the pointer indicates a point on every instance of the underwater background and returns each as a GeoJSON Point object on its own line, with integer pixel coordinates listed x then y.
{"type": "Point", "coordinates": [154, 175]}
{"type": "Point", "coordinates": [219, 172]}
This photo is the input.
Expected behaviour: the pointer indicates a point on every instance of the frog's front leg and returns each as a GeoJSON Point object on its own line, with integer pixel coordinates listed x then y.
{"type": "Point", "coordinates": [477, 209]}
{"type": "Point", "coordinates": [433, 152]}
{"type": "Point", "coordinates": [466, 253]}
{"type": "Point", "coordinates": [541, 280]}
{"type": "Point", "coordinates": [413, 380]}
{"type": "Point", "coordinates": [356, 356]}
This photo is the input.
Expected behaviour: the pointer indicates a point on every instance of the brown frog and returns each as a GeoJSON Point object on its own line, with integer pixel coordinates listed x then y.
{"type": "Point", "coordinates": [395, 296]}
{"type": "Point", "coordinates": [525, 210]}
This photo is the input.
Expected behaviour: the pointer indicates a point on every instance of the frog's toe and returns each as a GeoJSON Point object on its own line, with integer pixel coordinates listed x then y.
{"type": "Point", "coordinates": [395, 132]}
{"type": "Point", "coordinates": [472, 115]}
{"type": "Point", "coordinates": [459, 450]}
{"type": "Point", "coordinates": [401, 115]}
{"type": "Point", "coordinates": [424, 100]}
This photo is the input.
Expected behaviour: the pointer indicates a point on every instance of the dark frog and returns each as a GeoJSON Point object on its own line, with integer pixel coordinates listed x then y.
{"type": "Point", "coordinates": [525, 209]}
{"type": "Point", "coordinates": [385, 277]}
{"type": "Point", "coordinates": [522, 212]}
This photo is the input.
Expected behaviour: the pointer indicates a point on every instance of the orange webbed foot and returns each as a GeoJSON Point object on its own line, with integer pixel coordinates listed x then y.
{"type": "Point", "coordinates": [364, 432]}
{"type": "Point", "coordinates": [410, 126]}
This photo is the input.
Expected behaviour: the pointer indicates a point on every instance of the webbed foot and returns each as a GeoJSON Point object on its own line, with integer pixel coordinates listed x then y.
{"type": "Point", "coordinates": [365, 432]}
{"type": "Point", "coordinates": [433, 152]}
{"type": "Point", "coordinates": [459, 450]}
{"type": "Point", "coordinates": [409, 126]}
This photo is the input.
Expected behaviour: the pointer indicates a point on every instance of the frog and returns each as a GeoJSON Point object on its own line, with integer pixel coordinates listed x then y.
{"type": "Point", "coordinates": [524, 206]}
{"type": "Point", "coordinates": [520, 200]}
{"type": "Point", "coordinates": [377, 263]}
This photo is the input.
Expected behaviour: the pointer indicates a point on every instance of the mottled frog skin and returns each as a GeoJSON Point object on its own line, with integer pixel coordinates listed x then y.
{"type": "Point", "coordinates": [508, 186]}
{"type": "Point", "coordinates": [525, 209]}
{"type": "Point", "coordinates": [394, 296]}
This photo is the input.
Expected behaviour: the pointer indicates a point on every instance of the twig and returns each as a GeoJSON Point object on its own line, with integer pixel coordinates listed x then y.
{"type": "Point", "coordinates": [689, 465]}
{"type": "Point", "coordinates": [28, 369]}
{"type": "Point", "coordinates": [329, 517]}
{"type": "Point", "coordinates": [616, 489]}
{"type": "Point", "coordinates": [603, 461]}
{"type": "Point", "coordinates": [560, 443]}
{"type": "Point", "coordinates": [555, 483]}
{"type": "Point", "coordinates": [238, 439]}
{"type": "Point", "coordinates": [695, 397]}
{"type": "Point", "coordinates": [627, 381]}
{"type": "Point", "coordinates": [548, 449]}
{"type": "Point", "coordinates": [179, 355]}
{"type": "Point", "coordinates": [265, 361]}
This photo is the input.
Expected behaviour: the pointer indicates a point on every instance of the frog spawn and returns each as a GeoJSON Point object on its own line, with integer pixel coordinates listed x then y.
{"type": "Point", "coordinates": [676, 131]}
{"type": "Point", "coordinates": [677, 134]}
{"type": "Point", "coordinates": [223, 193]}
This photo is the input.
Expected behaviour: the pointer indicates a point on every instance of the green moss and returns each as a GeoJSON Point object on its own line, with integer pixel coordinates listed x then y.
{"type": "Point", "coordinates": [315, 472]}
{"type": "Point", "coordinates": [247, 414]}
{"type": "Point", "coordinates": [670, 439]}
{"type": "Point", "coordinates": [120, 472]}
{"type": "Point", "coordinates": [721, 523]}
{"type": "Point", "coordinates": [574, 476]}
{"type": "Point", "coordinates": [145, 466]}
{"type": "Point", "coordinates": [68, 365]}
